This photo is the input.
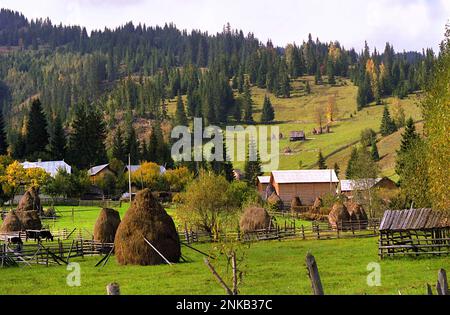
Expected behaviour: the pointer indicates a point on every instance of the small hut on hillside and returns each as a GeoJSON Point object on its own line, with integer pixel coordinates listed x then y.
{"type": "Point", "coordinates": [414, 232]}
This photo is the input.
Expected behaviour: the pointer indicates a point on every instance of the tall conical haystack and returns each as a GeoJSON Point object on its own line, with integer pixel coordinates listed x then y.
{"type": "Point", "coordinates": [11, 223]}
{"type": "Point", "coordinates": [30, 201]}
{"type": "Point", "coordinates": [255, 219]}
{"type": "Point", "coordinates": [30, 220]}
{"type": "Point", "coordinates": [146, 218]}
{"type": "Point", "coordinates": [318, 204]}
{"type": "Point", "coordinates": [275, 202]}
{"type": "Point", "coordinates": [106, 226]}
{"type": "Point", "coordinates": [358, 214]}
{"type": "Point", "coordinates": [338, 215]}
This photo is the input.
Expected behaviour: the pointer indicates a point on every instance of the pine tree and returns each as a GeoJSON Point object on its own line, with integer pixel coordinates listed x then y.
{"type": "Point", "coordinates": [330, 72]}
{"type": "Point", "coordinates": [321, 161]}
{"type": "Point", "coordinates": [180, 113]}
{"type": "Point", "coordinates": [268, 113]}
{"type": "Point", "coordinates": [351, 162]}
{"type": "Point", "coordinates": [132, 145]}
{"type": "Point", "coordinates": [118, 147]}
{"type": "Point", "coordinates": [247, 103]}
{"type": "Point", "coordinates": [58, 141]}
{"type": "Point", "coordinates": [225, 167]}
{"type": "Point", "coordinates": [36, 137]}
{"type": "Point", "coordinates": [409, 136]}
{"type": "Point", "coordinates": [318, 77]}
{"type": "Point", "coordinates": [374, 152]}
{"type": "Point", "coordinates": [3, 141]}
{"type": "Point", "coordinates": [252, 166]}
{"type": "Point", "coordinates": [387, 124]}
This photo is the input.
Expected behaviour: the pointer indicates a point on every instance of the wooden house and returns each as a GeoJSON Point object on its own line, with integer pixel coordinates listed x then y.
{"type": "Point", "coordinates": [349, 187]}
{"type": "Point", "coordinates": [297, 136]}
{"type": "Point", "coordinates": [305, 184]}
{"type": "Point", "coordinates": [414, 232]}
{"type": "Point", "coordinates": [98, 172]}
{"type": "Point", "coordinates": [263, 182]}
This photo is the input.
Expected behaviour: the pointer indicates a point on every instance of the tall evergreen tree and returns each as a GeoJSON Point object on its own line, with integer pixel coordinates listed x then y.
{"type": "Point", "coordinates": [318, 77]}
{"type": "Point", "coordinates": [321, 161]}
{"type": "Point", "coordinates": [409, 135]}
{"type": "Point", "coordinates": [247, 103]}
{"type": "Point", "coordinates": [58, 141]}
{"type": "Point", "coordinates": [387, 124]}
{"type": "Point", "coordinates": [118, 147]}
{"type": "Point", "coordinates": [180, 113]}
{"type": "Point", "coordinates": [268, 113]}
{"type": "Point", "coordinates": [351, 162]}
{"type": "Point", "coordinates": [374, 152]}
{"type": "Point", "coordinates": [330, 72]}
{"type": "Point", "coordinates": [132, 146]}
{"type": "Point", "coordinates": [3, 141]}
{"type": "Point", "coordinates": [253, 165]}
{"type": "Point", "coordinates": [36, 137]}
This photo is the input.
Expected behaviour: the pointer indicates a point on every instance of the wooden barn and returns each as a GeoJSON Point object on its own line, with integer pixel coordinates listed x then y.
{"type": "Point", "coordinates": [297, 136]}
{"type": "Point", "coordinates": [414, 232]}
{"type": "Point", "coordinates": [263, 182]}
{"type": "Point", "coordinates": [98, 172]}
{"type": "Point", "coordinates": [305, 184]}
{"type": "Point", "coordinates": [349, 187]}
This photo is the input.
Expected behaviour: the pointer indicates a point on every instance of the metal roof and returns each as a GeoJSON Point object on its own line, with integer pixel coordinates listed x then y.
{"type": "Point", "coordinates": [414, 219]}
{"type": "Point", "coordinates": [359, 184]}
{"type": "Point", "coordinates": [97, 169]}
{"type": "Point", "coordinates": [134, 168]}
{"type": "Point", "coordinates": [305, 176]}
{"type": "Point", "coordinates": [264, 179]}
{"type": "Point", "coordinates": [51, 167]}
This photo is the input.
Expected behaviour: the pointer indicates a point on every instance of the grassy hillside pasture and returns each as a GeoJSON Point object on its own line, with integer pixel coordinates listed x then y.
{"type": "Point", "coordinates": [272, 268]}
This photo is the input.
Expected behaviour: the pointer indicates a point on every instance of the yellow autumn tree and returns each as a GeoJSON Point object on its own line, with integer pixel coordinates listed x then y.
{"type": "Point", "coordinates": [178, 178]}
{"type": "Point", "coordinates": [332, 109]}
{"type": "Point", "coordinates": [372, 71]}
{"type": "Point", "coordinates": [334, 52]}
{"type": "Point", "coordinates": [36, 177]}
{"type": "Point", "coordinates": [147, 176]}
{"type": "Point", "coordinates": [15, 176]}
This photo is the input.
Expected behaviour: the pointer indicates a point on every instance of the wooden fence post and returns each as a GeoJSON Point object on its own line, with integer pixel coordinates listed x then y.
{"type": "Point", "coordinates": [113, 289]}
{"type": "Point", "coordinates": [442, 284]}
{"type": "Point", "coordinates": [303, 232]}
{"type": "Point", "coordinates": [313, 273]}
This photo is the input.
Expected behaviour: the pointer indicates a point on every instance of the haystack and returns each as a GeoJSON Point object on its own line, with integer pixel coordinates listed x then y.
{"type": "Point", "coordinates": [255, 219]}
{"type": "Point", "coordinates": [338, 215]}
{"type": "Point", "coordinates": [30, 220]}
{"type": "Point", "coordinates": [30, 201]}
{"type": "Point", "coordinates": [357, 214]}
{"type": "Point", "coordinates": [106, 226]}
{"type": "Point", "coordinates": [11, 223]}
{"type": "Point", "coordinates": [275, 202]}
{"type": "Point", "coordinates": [146, 218]}
{"type": "Point", "coordinates": [296, 205]}
{"type": "Point", "coordinates": [318, 204]}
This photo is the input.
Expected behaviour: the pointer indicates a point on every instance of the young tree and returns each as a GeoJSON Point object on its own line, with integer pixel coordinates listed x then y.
{"type": "Point", "coordinates": [320, 115]}
{"type": "Point", "coordinates": [351, 162]}
{"type": "Point", "coordinates": [330, 72]}
{"type": "Point", "coordinates": [398, 114]}
{"type": "Point", "coordinates": [58, 141]}
{"type": "Point", "coordinates": [321, 161]}
{"type": "Point", "coordinates": [318, 76]}
{"type": "Point", "coordinates": [268, 113]}
{"type": "Point", "coordinates": [3, 141]}
{"type": "Point", "coordinates": [252, 166]}
{"type": "Point", "coordinates": [180, 113]}
{"type": "Point", "coordinates": [36, 137]}
{"type": "Point", "coordinates": [387, 124]}
{"type": "Point", "coordinates": [332, 109]}
{"type": "Point", "coordinates": [247, 103]}
{"type": "Point", "coordinates": [374, 152]}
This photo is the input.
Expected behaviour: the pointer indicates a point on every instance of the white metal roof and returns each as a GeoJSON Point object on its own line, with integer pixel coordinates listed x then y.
{"type": "Point", "coordinates": [305, 176]}
{"type": "Point", "coordinates": [264, 179]}
{"type": "Point", "coordinates": [97, 169]}
{"type": "Point", "coordinates": [134, 168]}
{"type": "Point", "coordinates": [51, 167]}
{"type": "Point", "coordinates": [358, 184]}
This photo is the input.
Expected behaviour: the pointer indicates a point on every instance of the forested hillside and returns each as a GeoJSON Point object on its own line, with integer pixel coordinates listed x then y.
{"type": "Point", "coordinates": [132, 73]}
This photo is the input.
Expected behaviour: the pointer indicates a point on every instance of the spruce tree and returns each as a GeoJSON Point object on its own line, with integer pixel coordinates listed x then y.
{"type": "Point", "coordinates": [252, 166]}
{"type": "Point", "coordinates": [321, 161]}
{"type": "Point", "coordinates": [118, 147]}
{"type": "Point", "coordinates": [3, 141]}
{"type": "Point", "coordinates": [409, 135]}
{"type": "Point", "coordinates": [330, 72]}
{"type": "Point", "coordinates": [268, 114]}
{"type": "Point", "coordinates": [180, 113]}
{"type": "Point", "coordinates": [374, 151]}
{"type": "Point", "coordinates": [58, 141]}
{"type": "Point", "coordinates": [387, 124]}
{"type": "Point", "coordinates": [247, 103]}
{"type": "Point", "coordinates": [351, 162]}
{"type": "Point", "coordinates": [318, 77]}
{"type": "Point", "coordinates": [36, 137]}
{"type": "Point", "coordinates": [132, 146]}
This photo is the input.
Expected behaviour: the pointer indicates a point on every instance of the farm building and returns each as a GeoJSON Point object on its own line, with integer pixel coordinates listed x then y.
{"type": "Point", "coordinates": [99, 171]}
{"type": "Point", "coordinates": [305, 184]}
{"type": "Point", "coordinates": [297, 136]}
{"type": "Point", "coordinates": [135, 168]}
{"type": "Point", "coordinates": [349, 187]}
{"type": "Point", "coordinates": [51, 167]}
{"type": "Point", "coordinates": [414, 232]}
{"type": "Point", "coordinates": [263, 181]}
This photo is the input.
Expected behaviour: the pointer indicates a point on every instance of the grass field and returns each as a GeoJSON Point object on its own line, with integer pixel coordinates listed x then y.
{"type": "Point", "coordinates": [298, 113]}
{"type": "Point", "coordinates": [271, 268]}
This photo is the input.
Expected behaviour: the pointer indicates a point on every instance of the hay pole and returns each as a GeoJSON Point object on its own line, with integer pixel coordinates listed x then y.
{"type": "Point", "coordinates": [154, 248]}
{"type": "Point", "coordinates": [313, 273]}
{"type": "Point", "coordinates": [70, 234]}
{"type": "Point", "coordinates": [105, 258]}
{"type": "Point", "coordinates": [198, 251]}
{"type": "Point", "coordinates": [219, 279]}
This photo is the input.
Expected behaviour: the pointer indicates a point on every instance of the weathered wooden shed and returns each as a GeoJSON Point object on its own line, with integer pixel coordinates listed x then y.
{"type": "Point", "coordinates": [414, 232]}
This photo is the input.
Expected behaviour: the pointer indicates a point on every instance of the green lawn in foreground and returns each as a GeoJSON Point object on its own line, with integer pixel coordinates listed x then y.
{"type": "Point", "coordinates": [272, 268]}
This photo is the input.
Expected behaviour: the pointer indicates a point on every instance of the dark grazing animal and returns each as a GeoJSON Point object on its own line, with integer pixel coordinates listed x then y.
{"type": "Point", "coordinates": [39, 235]}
